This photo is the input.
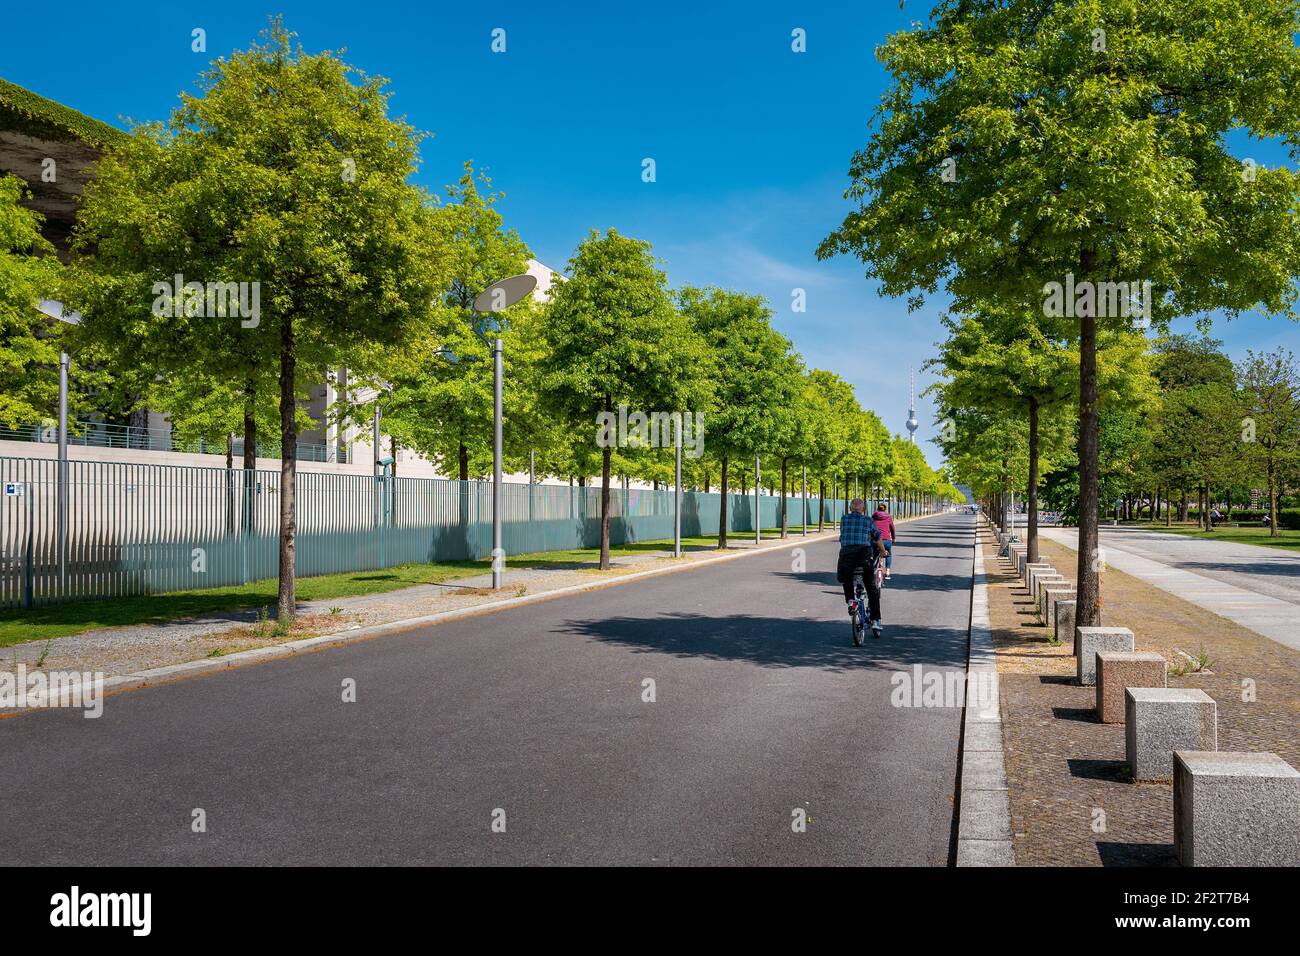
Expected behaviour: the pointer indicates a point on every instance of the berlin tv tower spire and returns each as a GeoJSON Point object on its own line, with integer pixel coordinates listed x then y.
{"type": "Point", "coordinates": [912, 423]}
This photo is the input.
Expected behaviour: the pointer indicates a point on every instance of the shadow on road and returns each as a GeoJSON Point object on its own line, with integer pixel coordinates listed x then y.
{"type": "Point", "coordinates": [779, 641]}
{"type": "Point", "coordinates": [1286, 568]}
{"type": "Point", "coordinates": [900, 582]}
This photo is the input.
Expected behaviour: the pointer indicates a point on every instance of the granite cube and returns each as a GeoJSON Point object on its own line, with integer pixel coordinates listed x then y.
{"type": "Point", "coordinates": [1160, 720]}
{"type": "Point", "coordinates": [1236, 809]}
{"type": "Point", "coordinates": [1119, 670]}
{"type": "Point", "coordinates": [1089, 640]}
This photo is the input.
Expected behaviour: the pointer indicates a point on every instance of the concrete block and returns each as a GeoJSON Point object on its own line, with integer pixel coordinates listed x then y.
{"type": "Point", "coordinates": [1160, 720]}
{"type": "Point", "coordinates": [1089, 640]}
{"type": "Point", "coordinates": [1236, 809]}
{"type": "Point", "coordinates": [1042, 581]}
{"type": "Point", "coordinates": [1048, 597]}
{"type": "Point", "coordinates": [1032, 571]}
{"type": "Point", "coordinates": [1119, 670]}
{"type": "Point", "coordinates": [1064, 620]}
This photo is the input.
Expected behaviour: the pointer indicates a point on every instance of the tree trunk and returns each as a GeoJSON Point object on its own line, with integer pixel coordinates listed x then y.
{"type": "Point", "coordinates": [821, 505]}
{"type": "Point", "coordinates": [288, 604]}
{"type": "Point", "coordinates": [722, 507]}
{"type": "Point", "coordinates": [1033, 480]}
{"type": "Point", "coordinates": [462, 458]}
{"type": "Point", "coordinates": [392, 450]}
{"type": "Point", "coordinates": [1088, 608]}
{"type": "Point", "coordinates": [250, 427]}
{"type": "Point", "coordinates": [604, 506]}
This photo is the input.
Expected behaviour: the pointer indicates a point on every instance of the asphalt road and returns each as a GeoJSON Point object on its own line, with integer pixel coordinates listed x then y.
{"type": "Point", "coordinates": [762, 707]}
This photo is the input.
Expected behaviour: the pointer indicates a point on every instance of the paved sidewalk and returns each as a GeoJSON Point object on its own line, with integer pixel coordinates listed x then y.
{"type": "Point", "coordinates": [1072, 799]}
{"type": "Point", "coordinates": [1255, 587]}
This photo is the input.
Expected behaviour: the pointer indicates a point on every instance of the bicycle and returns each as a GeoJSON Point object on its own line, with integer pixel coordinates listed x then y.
{"type": "Point", "coordinates": [860, 619]}
{"type": "Point", "coordinates": [862, 616]}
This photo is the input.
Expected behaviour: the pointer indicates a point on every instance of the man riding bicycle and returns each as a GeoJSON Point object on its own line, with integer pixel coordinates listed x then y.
{"type": "Point", "coordinates": [861, 546]}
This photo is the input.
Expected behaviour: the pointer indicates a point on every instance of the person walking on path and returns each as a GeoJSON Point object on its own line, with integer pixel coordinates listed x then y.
{"type": "Point", "coordinates": [885, 522]}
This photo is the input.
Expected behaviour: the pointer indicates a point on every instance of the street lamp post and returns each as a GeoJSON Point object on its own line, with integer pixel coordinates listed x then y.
{"type": "Point", "coordinates": [55, 310]}
{"type": "Point", "coordinates": [496, 297]}
{"type": "Point", "coordinates": [498, 556]}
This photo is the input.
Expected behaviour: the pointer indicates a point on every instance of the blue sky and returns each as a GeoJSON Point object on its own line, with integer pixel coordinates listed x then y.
{"type": "Point", "coordinates": [751, 141]}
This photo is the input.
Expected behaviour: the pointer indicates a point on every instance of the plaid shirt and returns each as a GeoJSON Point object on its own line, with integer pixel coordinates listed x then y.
{"type": "Point", "coordinates": [858, 530]}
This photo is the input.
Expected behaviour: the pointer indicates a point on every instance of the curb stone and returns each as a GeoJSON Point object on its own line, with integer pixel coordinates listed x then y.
{"type": "Point", "coordinates": [983, 808]}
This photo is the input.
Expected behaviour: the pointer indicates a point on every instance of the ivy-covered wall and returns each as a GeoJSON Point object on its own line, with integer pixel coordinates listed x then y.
{"type": "Point", "coordinates": [25, 112]}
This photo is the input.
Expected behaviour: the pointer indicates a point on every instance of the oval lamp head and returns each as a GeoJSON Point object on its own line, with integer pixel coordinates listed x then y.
{"type": "Point", "coordinates": [504, 293]}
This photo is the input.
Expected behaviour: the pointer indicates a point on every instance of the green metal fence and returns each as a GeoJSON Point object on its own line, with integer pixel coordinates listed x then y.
{"type": "Point", "coordinates": [142, 528]}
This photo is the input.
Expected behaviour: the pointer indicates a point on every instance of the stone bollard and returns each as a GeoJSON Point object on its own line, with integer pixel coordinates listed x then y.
{"type": "Point", "coordinates": [1089, 640]}
{"type": "Point", "coordinates": [1160, 720]}
{"type": "Point", "coordinates": [1064, 621]}
{"type": "Point", "coordinates": [1033, 570]}
{"type": "Point", "coordinates": [1236, 809]}
{"type": "Point", "coordinates": [1044, 581]}
{"type": "Point", "coordinates": [1119, 670]}
{"type": "Point", "coordinates": [1050, 595]}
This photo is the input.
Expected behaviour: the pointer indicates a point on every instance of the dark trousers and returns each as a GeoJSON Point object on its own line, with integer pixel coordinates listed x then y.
{"type": "Point", "coordinates": [851, 559]}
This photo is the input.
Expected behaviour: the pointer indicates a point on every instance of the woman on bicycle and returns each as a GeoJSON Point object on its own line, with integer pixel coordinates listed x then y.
{"type": "Point", "coordinates": [885, 522]}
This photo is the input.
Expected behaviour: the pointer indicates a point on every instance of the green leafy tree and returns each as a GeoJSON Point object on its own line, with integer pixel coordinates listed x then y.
{"type": "Point", "coordinates": [613, 337]}
{"type": "Point", "coordinates": [436, 393]}
{"type": "Point", "coordinates": [1005, 359]}
{"type": "Point", "coordinates": [1024, 143]}
{"type": "Point", "coordinates": [755, 377]}
{"type": "Point", "coordinates": [29, 340]}
{"type": "Point", "coordinates": [285, 173]}
{"type": "Point", "coordinates": [1270, 388]}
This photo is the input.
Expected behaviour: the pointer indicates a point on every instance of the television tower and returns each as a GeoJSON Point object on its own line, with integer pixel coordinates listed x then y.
{"type": "Point", "coordinates": [912, 423]}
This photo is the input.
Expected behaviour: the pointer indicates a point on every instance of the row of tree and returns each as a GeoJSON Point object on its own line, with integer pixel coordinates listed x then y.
{"type": "Point", "coordinates": [287, 172]}
{"type": "Point", "coordinates": [1025, 146]}
{"type": "Point", "coordinates": [1178, 422]}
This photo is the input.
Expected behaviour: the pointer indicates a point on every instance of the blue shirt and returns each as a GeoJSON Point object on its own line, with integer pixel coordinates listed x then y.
{"type": "Point", "coordinates": [858, 530]}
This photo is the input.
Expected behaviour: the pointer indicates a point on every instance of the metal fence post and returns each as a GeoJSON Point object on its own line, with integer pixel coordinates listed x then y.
{"type": "Point", "coordinates": [803, 495]}
{"type": "Point", "coordinates": [63, 475]}
{"type": "Point", "coordinates": [28, 572]}
{"type": "Point", "coordinates": [677, 491]}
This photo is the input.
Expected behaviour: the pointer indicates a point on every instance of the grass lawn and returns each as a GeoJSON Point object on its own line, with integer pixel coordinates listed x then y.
{"type": "Point", "coordinates": [18, 626]}
{"type": "Point", "coordinates": [1253, 534]}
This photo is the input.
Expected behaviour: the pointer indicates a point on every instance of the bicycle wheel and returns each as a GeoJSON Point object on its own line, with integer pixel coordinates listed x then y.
{"type": "Point", "coordinates": [860, 619]}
